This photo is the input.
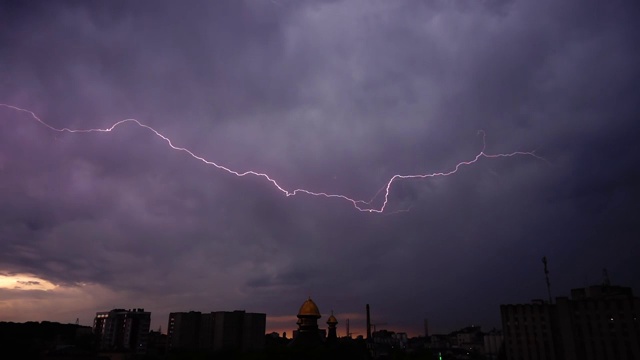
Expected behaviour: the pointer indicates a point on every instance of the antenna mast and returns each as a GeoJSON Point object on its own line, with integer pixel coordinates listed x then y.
{"type": "Point", "coordinates": [546, 275]}
{"type": "Point", "coordinates": [605, 277]}
{"type": "Point", "coordinates": [368, 324]}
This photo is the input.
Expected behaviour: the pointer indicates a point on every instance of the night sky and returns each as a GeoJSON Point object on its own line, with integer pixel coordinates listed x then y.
{"type": "Point", "coordinates": [329, 96]}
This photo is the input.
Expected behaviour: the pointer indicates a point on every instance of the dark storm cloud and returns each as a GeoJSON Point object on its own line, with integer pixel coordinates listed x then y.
{"type": "Point", "coordinates": [330, 96]}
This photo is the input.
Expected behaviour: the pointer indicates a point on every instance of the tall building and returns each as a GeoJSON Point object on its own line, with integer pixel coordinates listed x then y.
{"type": "Point", "coordinates": [599, 322]}
{"type": "Point", "coordinates": [596, 323]}
{"type": "Point", "coordinates": [207, 331]}
{"type": "Point", "coordinates": [529, 331]}
{"type": "Point", "coordinates": [221, 330]}
{"type": "Point", "coordinates": [183, 331]}
{"type": "Point", "coordinates": [254, 329]}
{"type": "Point", "coordinates": [122, 330]}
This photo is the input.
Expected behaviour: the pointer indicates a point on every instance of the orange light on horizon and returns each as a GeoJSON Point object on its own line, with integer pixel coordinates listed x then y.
{"type": "Point", "coordinates": [25, 282]}
{"type": "Point", "coordinates": [287, 323]}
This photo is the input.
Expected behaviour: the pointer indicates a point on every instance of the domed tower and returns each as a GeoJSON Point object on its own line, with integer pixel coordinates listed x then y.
{"type": "Point", "coordinates": [307, 334]}
{"type": "Point", "coordinates": [332, 337]}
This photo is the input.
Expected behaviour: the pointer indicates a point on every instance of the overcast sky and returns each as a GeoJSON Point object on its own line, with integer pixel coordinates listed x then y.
{"type": "Point", "coordinates": [327, 96]}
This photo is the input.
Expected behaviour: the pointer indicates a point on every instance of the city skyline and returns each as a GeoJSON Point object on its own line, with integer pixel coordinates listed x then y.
{"type": "Point", "coordinates": [286, 324]}
{"type": "Point", "coordinates": [594, 322]}
{"type": "Point", "coordinates": [332, 96]}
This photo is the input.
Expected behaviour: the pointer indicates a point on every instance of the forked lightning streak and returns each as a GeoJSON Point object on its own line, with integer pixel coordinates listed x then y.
{"type": "Point", "coordinates": [360, 205]}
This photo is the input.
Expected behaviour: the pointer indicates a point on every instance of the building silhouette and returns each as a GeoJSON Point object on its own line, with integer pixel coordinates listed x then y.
{"type": "Point", "coordinates": [596, 323]}
{"type": "Point", "coordinates": [36, 340]}
{"type": "Point", "coordinates": [308, 335]}
{"type": "Point", "coordinates": [239, 330]}
{"type": "Point", "coordinates": [493, 344]}
{"type": "Point", "coordinates": [311, 342]}
{"type": "Point", "coordinates": [216, 331]}
{"type": "Point", "coordinates": [122, 330]}
{"type": "Point", "coordinates": [469, 342]}
{"type": "Point", "coordinates": [156, 344]}
{"type": "Point", "coordinates": [530, 331]}
{"type": "Point", "coordinates": [205, 337]}
{"type": "Point", "coordinates": [183, 330]}
{"type": "Point", "coordinates": [332, 335]}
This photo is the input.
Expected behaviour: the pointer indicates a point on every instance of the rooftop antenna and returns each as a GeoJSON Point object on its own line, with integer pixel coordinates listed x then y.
{"type": "Point", "coordinates": [546, 275]}
{"type": "Point", "coordinates": [426, 328]}
{"type": "Point", "coordinates": [377, 324]}
{"type": "Point", "coordinates": [605, 277]}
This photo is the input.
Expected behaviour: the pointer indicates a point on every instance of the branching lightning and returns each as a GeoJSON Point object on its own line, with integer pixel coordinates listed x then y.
{"type": "Point", "coordinates": [360, 205]}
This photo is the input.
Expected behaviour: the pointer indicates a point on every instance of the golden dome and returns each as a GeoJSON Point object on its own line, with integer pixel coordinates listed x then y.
{"type": "Point", "coordinates": [309, 308]}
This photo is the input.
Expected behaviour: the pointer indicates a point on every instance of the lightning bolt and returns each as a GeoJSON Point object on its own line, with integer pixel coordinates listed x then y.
{"type": "Point", "coordinates": [360, 205]}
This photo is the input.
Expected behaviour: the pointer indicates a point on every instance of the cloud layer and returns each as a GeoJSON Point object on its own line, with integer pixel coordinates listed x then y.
{"type": "Point", "coordinates": [334, 96]}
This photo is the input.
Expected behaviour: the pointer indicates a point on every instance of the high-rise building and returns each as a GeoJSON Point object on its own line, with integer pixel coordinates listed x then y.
{"type": "Point", "coordinates": [207, 331]}
{"type": "Point", "coordinates": [596, 323]}
{"type": "Point", "coordinates": [254, 328]}
{"type": "Point", "coordinates": [221, 330]}
{"type": "Point", "coordinates": [528, 331]}
{"type": "Point", "coordinates": [599, 322]}
{"type": "Point", "coordinates": [122, 330]}
{"type": "Point", "coordinates": [183, 330]}
{"type": "Point", "coordinates": [228, 330]}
